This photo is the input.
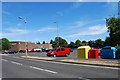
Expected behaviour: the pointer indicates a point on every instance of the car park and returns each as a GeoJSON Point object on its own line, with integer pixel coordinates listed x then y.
{"type": "Point", "coordinates": [47, 50]}
{"type": "Point", "coordinates": [23, 51]}
{"type": "Point", "coordinates": [36, 50]}
{"type": "Point", "coordinates": [71, 49]}
{"type": "Point", "coordinates": [9, 52]}
{"type": "Point", "coordinates": [59, 52]}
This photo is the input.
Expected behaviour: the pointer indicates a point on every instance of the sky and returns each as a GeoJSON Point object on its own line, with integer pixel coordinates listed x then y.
{"type": "Point", "coordinates": [43, 21]}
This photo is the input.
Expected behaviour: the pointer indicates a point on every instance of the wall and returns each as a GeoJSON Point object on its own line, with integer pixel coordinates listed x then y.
{"type": "Point", "coordinates": [21, 45]}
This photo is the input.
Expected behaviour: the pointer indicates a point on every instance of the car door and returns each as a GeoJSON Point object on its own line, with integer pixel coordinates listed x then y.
{"type": "Point", "coordinates": [63, 53]}
{"type": "Point", "coordinates": [58, 52]}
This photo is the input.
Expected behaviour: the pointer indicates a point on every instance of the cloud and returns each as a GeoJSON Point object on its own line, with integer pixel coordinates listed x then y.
{"type": "Point", "coordinates": [19, 24]}
{"type": "Point", "coordinates": [93, 30]}
{"type": "Point", "coordinates": [1, 34]}
{"type": "Point", "coordinates": [14, 32]}
{"type": "Point", "coordinates": [79, 23]}
{"type": "Point", "coordinates": [47, 29]}
{"type": "Point", "coordinates": [60, 13]}
{"type": "Point", "coordinates": [75, 25]}
{"type": "Point", "coordinates": [18, 31]}
{"type": "Point", "coordinates": [76, 5]}
{"type": "Point", "coordinates": [6, 13]}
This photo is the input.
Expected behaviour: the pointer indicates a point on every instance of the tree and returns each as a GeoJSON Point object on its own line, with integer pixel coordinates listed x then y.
{"type": "Point", "coordinates": [5, 44]}
{"type": "Point", "coordinates": [113, 25]}
{"type": "Point", "coordinates": [38, 42]}
{"type": "Point", "coordinates": [77, 43]}
{"type": "Point", "coordinates": [51, 41]}
{"type": "Point", "coordinates": [71, 45]}
{"type": "Point", "coordinates": [99, 43]}
{"type": "Point", "coordinates": [43, 42]}
{"type": "Point", "coordinates": [91, 43]}
{"type": "Point", "coordinates": [59, 42]}
{"type": "Point", "coordinates": [63, 43]}
{"type": "Point", "coordinates": [56, 42]}
{"type": "Point", "coordinates": [107, 42]}
{"type": "Point", "coordinates": [84, 41]}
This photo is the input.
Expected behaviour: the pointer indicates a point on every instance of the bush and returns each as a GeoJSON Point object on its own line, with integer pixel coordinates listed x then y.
{"type": "Point", "coordinates": [118, 52]}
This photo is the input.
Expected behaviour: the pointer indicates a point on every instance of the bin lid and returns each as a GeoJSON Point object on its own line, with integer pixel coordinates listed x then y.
{"type": "Point", "coordinates": [84, 47]}
{"type": "Point", "coordinates": [109, 47]}
{"type": "Point", "coordinates": [94, 49]}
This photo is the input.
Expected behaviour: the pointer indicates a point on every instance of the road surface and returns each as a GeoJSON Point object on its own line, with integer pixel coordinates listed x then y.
{"type": "Point", "coordinates": [27, 68]}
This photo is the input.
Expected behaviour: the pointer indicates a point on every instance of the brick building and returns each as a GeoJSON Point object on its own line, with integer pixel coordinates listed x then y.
{"type": "Point", "coordinates": [20, 45]}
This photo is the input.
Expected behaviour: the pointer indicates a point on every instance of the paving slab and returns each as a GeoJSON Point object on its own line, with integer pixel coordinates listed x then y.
{"type": "Point", "coordinates": [101, 62]}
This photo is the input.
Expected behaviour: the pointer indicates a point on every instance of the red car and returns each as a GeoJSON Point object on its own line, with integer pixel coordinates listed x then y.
{"type": "Point", "coordinates": [32, 50]}
{"type": "Point", "coordinates": [24, 51]}
{"type": "Point", "coordinates": [59, 52]}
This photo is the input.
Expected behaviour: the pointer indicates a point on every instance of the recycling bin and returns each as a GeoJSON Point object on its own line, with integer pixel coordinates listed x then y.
{"type": "Point", "coordinates": [82, 52]}
{"type": "Point", "coordinates": [108, 52]}
{"type": "Point", "coordinates": [93, 53]}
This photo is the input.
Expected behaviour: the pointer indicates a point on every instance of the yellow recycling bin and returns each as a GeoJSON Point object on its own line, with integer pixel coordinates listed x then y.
{"type": "Point", "coordinates": [82, 52]}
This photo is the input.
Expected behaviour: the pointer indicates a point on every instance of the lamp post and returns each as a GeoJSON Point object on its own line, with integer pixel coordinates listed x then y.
{"type": "Point", "coordinates": [26, 46]}
{"type": "Point", "coordinates": [57, 33]}
{"type": "Point", "coordinates": [119, 9]}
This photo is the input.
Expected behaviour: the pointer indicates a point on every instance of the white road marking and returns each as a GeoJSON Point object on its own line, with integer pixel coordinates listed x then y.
{"type": "Point", "coordinates": [43, 69]}
{"type": "Point", "coordinates": [50, 71]}
{"type": "Point", "coordinates": [16, 63]}
{"type": "Point", "coordinates": [115, 68]}
{"type": "Point", "coordinates": [83, 78]}
{"type": "Point", "coordinates": [79, 64]}
{"type": "Point", "coordinates": [4, 60]}
{"type": "Point", "coordinates": [36, 68]}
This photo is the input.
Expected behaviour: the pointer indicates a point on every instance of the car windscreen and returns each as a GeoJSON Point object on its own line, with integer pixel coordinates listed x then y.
{"type": "Point", "coordinates": [53, 49]}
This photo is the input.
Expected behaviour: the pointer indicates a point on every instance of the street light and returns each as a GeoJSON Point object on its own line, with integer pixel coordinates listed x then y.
{"type": "Point", "coordinates": [119, 9]}
{"type": "Point", "coordinates": [26, 46]}
{"type": "Point", "coordinates": [57, 33]}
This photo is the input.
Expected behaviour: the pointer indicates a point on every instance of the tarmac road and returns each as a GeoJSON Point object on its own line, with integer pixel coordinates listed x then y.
{"type": "Point", "coordinates": [43, 54]}
{"type": "Point", "coordinates": [24, 68]}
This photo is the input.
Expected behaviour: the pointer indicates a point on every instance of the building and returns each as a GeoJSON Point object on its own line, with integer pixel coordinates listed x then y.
{"type": "Point", "coordinates": [20, 45]}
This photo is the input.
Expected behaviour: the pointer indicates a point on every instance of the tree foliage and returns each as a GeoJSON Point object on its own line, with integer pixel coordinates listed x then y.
{"type": "Point", "coordinates": [43, 42]}
{"type": "Point", "coordinates": [113, 25]}
{"type": "Point", "coordinates": [108, 42]}
{"type": "Point", "coordinates": [77, 43]}
{"type": "Point", "coordinates": [51, 41]}
{"type": "Point", "coordinates": [38, 42]}
{"type": "Point", "coordinates": [91, 43]}
{"type": "Point", "coordinates": [5, 44]}
{"type": "Point", "coordinates": [99, 43]}
{"type": "Point", "coordinates": [59, 42]}
{"type": "Point", "coordinates": [71, 45]}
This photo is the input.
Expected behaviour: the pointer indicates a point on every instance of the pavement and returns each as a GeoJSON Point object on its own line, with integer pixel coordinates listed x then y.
{"type": "Point", "coordinates": [99, 62]}
{"type": "Point", "coordinates": [72, 58]}
{"type": "Point", "coordinates": [22, 68]}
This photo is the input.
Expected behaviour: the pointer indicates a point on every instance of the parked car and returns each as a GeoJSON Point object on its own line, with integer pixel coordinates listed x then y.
{"type": "Point", "coordinates": [71, 49]}
{"type": "Point", "coordinates": [37, 49]}
{"type": "Point", "coordinates": [10, 51]}
{"type": "Point", "coordinates": [32, 50]}
{"type": "Point", "coordinates": [47, 50]}
{"type": "Point", "coordinates": [23, 51]}
{"type": "Point", "coordinates": [43, 49]}
{"type": "Point", "coordinates": [59, 52]}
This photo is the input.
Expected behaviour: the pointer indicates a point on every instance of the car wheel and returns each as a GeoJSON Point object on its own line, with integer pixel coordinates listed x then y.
{"type": "Point", "coordinates": [47, 55]}
{"type": "Point", "coordinates": [54, 55]}
{"type": "Point", "coordinates": [67, 55]}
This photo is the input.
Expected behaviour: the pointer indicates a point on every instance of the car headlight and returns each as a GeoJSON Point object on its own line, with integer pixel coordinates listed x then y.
{"type": "Point", "coordinates": [52, 53]}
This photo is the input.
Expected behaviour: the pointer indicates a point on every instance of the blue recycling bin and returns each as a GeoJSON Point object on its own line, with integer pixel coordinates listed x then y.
{"type": "Point", "coordinates": [108, 52]}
